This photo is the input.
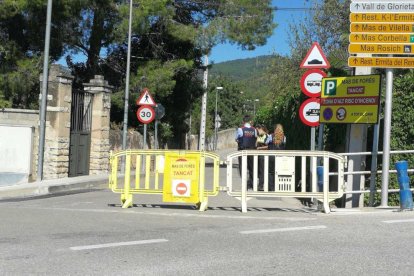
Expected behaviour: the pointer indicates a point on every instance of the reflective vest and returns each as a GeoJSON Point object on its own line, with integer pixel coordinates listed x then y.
{"type": "Point", "coordinates": [248, 140]}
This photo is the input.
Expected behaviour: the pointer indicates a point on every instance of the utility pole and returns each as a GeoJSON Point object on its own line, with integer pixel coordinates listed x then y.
{"type": "Point", "coordinates": [43, 105]}
{"type": "Point", "coordinates": [204, 107]}
{"type": "Point", "coordinates": [128, 69]}
{"type": "Point", "coordinates": [215, 119]}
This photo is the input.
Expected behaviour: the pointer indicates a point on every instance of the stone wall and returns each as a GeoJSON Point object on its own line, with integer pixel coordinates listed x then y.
{"type": "Point", "coordinates": [29, 118]}
{"type": "Point", "coordinates": [225, 140]}
{"type": "Point", "coordinates": [135, 140]}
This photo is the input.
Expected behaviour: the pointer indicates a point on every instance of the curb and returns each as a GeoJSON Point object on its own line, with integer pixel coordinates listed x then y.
{"type": "Point", "coordinates": [54, 187]}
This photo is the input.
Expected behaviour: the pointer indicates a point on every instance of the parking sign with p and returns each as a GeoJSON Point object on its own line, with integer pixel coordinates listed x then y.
{"type": "Point", "coordinates": [330, 88]}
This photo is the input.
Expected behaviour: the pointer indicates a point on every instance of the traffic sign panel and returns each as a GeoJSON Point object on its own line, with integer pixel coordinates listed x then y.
{"type": "Point", "coordinates": [382, 17]}
{"type": "Point", "coordinates": [159, 111]}
{"type": "Point", "coordinates": [309, 112]}
{"type": "Point", "coordinates": [145, 114]}
{"type": "Point", "coordinates": [315, 58]}
{"type": "Point", "coordinates": [311, 82]}
{"type": "Point", "coordinates": [381, 28]}
{"type": "Point", "coordinates": [381, 38]}
{"type": "Point", "coordinates": [181, 187]}
{"type": "Point", "coordinates": [401, 49]}
{"type": "Point", "coordinates": [145, 98]}
{"type": "Point", "coordinates": [381, 62]}
{"type": "Point", "coordinates": [379, 7]}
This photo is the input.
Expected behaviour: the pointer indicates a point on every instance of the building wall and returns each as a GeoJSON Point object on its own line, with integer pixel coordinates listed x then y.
{"type": "Point", "coordinates": [15, 123]}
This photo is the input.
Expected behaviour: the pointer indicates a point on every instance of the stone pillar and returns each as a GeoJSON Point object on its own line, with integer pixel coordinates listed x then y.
{"type": "Point", "coordinates": [57, 136]}
{"type": "Point", "coordinates": [101, 107]}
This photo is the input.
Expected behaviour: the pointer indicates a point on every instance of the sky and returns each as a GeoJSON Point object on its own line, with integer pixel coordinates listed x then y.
{"type": "Point", "coordinates": [291, 11]}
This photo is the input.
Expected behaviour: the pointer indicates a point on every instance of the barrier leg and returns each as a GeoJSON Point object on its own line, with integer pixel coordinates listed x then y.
{"type": "Point", "coordinates": [126, 200]}
{"type": "Point", "coordinates": [126, 196]}
{"type": "Point", "coordinates": [203, 204]}
{"type": "Point", "coordinates": [326, 185]}
{"type": "Point", "coordinates": [244, 185]}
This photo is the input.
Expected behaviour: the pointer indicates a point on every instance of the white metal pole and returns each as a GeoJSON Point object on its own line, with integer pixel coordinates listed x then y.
{"type": "Point", "coordinates": [313, 136]}
{"type": "Point", "coordinates": [43, 104]}
{"type": "Point", "coordinates": [387, 137]}
{"type": "Point", "coordinates": [215, 123]}
{"type": "Point", "coordinates": [126, 99]}
{"type": "Point", "coordinates": [144, 146]}
{"type": "Point", "coordinates": [204, 107]}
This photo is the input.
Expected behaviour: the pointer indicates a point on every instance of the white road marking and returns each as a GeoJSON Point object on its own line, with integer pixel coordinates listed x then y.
{"type": "Point", "coordinates": [399, 221]}
{"type": "Point", "coordinates": [262, 231]}
{"type": "Point", "coordinates": [116, 244]}
{"type": "Point", "coordinates": [168, 214]}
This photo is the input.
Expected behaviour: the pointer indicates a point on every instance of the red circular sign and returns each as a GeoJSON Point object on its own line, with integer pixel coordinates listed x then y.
{"type": "Point", "coordinates": [181, 188]}
{"type": "Point", "coordinates": [145, 114]}
{"type": "Point", "coordinates": [309, 112]}
{"type": "Point", "coordinates": [311, 82]}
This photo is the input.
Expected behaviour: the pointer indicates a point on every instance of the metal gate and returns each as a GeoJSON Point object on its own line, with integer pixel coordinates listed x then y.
{"type": "Point", "coordinates": [80, 133]}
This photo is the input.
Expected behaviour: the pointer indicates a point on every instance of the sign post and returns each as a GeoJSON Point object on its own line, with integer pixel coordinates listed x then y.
{"type": "Point", "coordinates": [310, 84]}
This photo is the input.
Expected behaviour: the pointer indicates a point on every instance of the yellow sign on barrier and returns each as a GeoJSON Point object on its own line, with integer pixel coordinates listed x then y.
{"type": "Point", "coordinates": [181, 178]}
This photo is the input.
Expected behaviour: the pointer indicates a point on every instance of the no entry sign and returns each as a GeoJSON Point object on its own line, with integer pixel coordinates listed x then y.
{"type": "Point", "coordinates": [181, 188]}
{"type": "Point", "coordinates": [145, 114]}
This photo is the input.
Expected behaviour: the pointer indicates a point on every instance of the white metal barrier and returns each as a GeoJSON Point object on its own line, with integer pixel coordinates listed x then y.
{"type": "Point", "coordinates": [373, 172]}
{"type": "Point", "coordinates": [287, 183]}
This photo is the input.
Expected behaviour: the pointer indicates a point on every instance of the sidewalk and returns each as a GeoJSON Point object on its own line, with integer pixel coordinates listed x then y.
{"type": "Point", "coordinates": [54, 187]}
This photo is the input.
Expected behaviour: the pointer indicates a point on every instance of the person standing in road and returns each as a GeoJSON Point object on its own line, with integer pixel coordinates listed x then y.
{"type": "Point", "coordinates": [278, 142]}
{"type": "Point", "coordinates": [246, 137]}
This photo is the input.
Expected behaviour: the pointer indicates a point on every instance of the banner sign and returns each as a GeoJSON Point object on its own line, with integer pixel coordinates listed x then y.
{"type": "Point", "coordinates": [181, 178]}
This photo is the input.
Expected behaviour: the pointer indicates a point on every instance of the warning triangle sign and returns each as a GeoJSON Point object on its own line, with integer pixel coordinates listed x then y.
{"type": "Point", "coordinates": [315, 58]}
{"type": "Point", "coordinates": [145, 98]}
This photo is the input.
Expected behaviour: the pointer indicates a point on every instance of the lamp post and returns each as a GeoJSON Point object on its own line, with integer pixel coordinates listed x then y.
{"type": "Point", "coordinates": [254, 106]}
{"type": "Point", "coordinates": [126, 99]}
{"type": "Point", "coordinates": [43, 104]}
{"type": "Point", "coordinates": [215, 119]}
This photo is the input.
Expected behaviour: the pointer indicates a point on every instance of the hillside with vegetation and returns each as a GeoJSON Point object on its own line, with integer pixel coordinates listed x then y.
{"type": "Point", "coordinates": [249, 74]}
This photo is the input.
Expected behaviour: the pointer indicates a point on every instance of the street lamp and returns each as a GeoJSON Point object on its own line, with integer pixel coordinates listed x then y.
{"type": "Point", "coordinates": [215, 119]}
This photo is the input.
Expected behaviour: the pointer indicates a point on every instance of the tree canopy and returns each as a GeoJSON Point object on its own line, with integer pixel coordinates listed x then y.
{"type": "Point", "coordinates": [169, 39]}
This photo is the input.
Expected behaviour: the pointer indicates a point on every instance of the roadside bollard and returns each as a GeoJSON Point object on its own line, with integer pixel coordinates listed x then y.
{"type": "Point", "coordinates": [406, 196]}
{"type": "Point", "coordinates": [319, 173]}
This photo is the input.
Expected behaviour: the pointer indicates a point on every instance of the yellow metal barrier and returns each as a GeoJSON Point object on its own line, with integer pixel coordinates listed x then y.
{"type": "Point", "coordinates": [180, 176]}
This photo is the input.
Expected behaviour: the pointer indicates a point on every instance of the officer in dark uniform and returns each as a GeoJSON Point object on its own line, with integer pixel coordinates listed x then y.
{"type": "Point", "coordinates": [246, 137]}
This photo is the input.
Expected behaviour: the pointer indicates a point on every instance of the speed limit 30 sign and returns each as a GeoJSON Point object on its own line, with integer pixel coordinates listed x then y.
{"type": "Point", "coordinates": [145, 114]}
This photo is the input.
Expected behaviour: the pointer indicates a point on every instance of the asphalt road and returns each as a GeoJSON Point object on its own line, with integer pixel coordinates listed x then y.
{"type": "Point", "coordinates": [90, 234]}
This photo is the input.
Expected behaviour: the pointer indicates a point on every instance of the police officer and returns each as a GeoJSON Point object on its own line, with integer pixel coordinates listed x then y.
{"type": "Point", "coordinates": [246, 137]}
